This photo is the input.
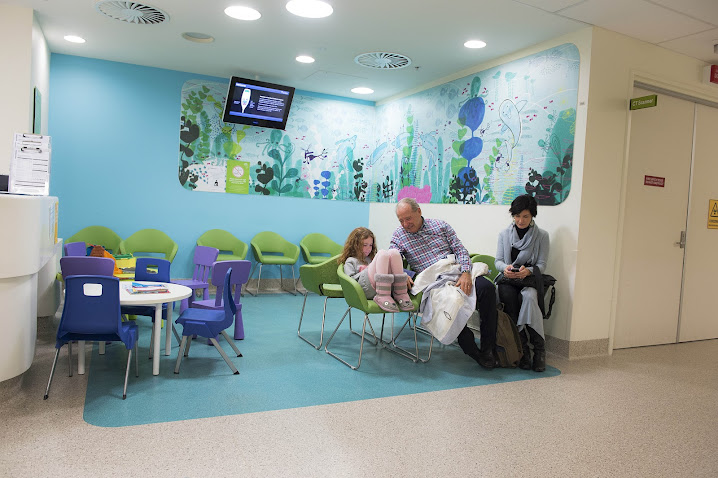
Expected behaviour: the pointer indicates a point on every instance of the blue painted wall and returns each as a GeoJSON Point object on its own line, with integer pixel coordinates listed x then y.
{"type": "Point", "coordinates": [115, 130]}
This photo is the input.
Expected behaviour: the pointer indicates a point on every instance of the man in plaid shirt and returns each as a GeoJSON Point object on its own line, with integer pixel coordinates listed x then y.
{"type": "Point", "coordinates": [425, 241]}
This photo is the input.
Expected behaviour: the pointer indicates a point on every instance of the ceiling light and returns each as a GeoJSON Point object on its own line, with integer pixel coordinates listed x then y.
{"type": "Point", "coordinates": [305, 59]}
{"type": "Point", "coordinates": [198, 37]}
{"type": "Point", "coordinates": [242, 13]}
{"type": "Point", "coordinates": [362, 90]}
{"type": "Point", "coordinates": [309, 8]}
{"type": "Point", "coordinates": [74, 39]}
{"type": "Point", "coordinates": [475, 44]}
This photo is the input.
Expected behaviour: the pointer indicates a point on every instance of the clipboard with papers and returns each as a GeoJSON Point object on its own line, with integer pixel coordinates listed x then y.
{"type": "Point", "coordinates": [30, 165]}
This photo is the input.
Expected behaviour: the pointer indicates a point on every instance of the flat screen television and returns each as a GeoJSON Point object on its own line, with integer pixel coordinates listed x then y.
{"type": "Point", "coordinates": [257, 103]}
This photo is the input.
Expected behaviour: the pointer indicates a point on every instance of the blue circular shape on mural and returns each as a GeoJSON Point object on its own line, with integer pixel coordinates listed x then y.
{"type": "Point", "coordinates": [472, 148]}
{"type": "Point", "coordinates": [472, 113]}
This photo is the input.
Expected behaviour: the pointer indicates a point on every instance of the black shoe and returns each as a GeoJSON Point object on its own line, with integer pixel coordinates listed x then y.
{"type": "Point", "coordinates": [525, 362]}
{"type": "Point", "coordinates": [539, 363]}
{"type": "Point", "coordinates": [486, 359]}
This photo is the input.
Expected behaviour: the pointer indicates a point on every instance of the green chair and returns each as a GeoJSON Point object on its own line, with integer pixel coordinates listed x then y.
{"type": "Point", "coordinates": [272, 249]}
{"type": "Point", "coordinates": [150, 241]}
{"type": "Point", "coordinates": [355, 298]}
{"type": "Point", "coordinates": [97, 236]}
{"type": "Point", "coordinates": [317, 248]}
{"type": "Point", "coordinates": [321, 279]}
{"type": "Point", "coordinates": [489, 261]}
{"type": "Point", "coordinates": [230, 248]}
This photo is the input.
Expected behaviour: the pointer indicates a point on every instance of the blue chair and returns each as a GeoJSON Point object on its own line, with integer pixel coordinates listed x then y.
{"type": "Point", "coordinates": [209, 324]}
{"type": "Point", "coordinates": [75, 249]}
{"type": "Point", "coordinates": [152, 269]}
{"type": "Point", "coordinates": [92, 312]}
{"type": "Point", "coordinates": [88, 265]}
{"type": "Point", "coordinates": [240, 275]}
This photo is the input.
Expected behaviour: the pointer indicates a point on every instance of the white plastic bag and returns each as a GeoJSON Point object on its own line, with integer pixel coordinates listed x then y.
{"type": "Point", "coordinates": [446, 303]}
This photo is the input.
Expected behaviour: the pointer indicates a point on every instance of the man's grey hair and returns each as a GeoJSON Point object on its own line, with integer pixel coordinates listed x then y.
{"type": "Point", "coordinates": [409, 201]}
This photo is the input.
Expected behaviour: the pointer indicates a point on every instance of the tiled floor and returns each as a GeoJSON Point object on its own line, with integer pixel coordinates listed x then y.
{"type": "Point", "coordinates": [642, 412]}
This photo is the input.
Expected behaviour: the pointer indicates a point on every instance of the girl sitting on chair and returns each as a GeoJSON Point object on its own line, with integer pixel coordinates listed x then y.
{"type": "Point", "coordinates": [379, 273]}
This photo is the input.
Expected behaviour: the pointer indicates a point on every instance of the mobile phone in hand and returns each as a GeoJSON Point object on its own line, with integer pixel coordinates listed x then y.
{"type": "Point", "coordinates": [515, 269]}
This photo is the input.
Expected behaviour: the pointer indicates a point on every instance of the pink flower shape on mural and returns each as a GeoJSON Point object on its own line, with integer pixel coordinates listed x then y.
{"type": "Point", "coordinates": [422, 195]}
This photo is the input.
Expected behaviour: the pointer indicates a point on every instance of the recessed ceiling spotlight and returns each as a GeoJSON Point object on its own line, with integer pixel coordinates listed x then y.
{"type": "Point", "coordinates": [242, 13]}
{"type": "Point", "coordinates": [309, 8]}
{"type": "Point", "coordinates": [198, 37]}
{"type": "Point", "coordinates": [362, 90]}
{"type": "Point", "coordinates": [475, 44]}
{"type": "Point", "coordinates": [305, 59]}
{"type": "Point", "coordinates": [74, 39]}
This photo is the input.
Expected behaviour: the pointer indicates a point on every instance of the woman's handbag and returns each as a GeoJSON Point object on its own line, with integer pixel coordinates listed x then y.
{"type": "Point", "coordinates": [540, 282]}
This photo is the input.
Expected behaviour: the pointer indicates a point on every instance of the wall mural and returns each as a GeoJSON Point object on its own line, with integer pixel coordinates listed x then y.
{"type": "Point", "coordinates": [482, 139]}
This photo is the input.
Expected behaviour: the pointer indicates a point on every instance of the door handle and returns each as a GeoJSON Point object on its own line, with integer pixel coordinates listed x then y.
{"type": "Point", "coordinates": [682, 242]}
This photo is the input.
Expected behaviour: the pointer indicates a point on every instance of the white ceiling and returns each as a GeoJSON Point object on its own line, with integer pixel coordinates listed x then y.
{"type": "Point", "coordinates": [430, 32]}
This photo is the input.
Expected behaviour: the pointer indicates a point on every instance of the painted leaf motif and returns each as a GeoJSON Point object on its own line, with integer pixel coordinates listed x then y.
{"type": "Point", "coordinates": [291, 173]}
{"type": "Point", "coordinates": [462, 132]}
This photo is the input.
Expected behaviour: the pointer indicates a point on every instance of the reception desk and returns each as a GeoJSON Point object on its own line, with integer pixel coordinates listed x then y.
{"type": "Point", "coordinates": [29, 254]}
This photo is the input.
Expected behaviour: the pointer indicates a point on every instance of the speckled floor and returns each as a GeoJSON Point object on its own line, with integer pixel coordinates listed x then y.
{"type": "Point", "coordinates": [649, 412]}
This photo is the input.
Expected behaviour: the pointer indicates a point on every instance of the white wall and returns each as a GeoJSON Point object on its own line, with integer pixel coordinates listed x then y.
{"type": "Point", "coordinates": [616, 61]}
{"type": "Point", "coordinates": [15, 84]}
{"type": "Point", "coordinates": [478, 226]}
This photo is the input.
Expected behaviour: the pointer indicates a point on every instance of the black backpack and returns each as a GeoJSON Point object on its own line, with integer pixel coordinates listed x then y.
{"type": "Point", "coordinates": [508, 342]}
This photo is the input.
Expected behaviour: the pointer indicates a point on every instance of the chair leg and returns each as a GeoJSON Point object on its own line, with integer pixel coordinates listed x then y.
{"type": "Point", "coordinates": [259, 279]}
{"type": "Point", "coordinates": [231, 343]}
{"type": "Point", "coordinates": [69, 355]}
{"type": "Point", "coordinates": [224, 355]}
{"type": "Point", "coordinates": [251, 273]}
{"type": "Point", "coordinates": [137, 360]}
{"type": "Point", "coordinates": [179, 354]}
{"type": "Point", "coordinates": [152, 341]}
{"type": "Point", "coordinates": [238, 323]}
{"type": "Point", "coordinates": [361, 346]}
{"type": "Point", "coordinates": [301, 316]}
{"type": "Point", "coordinates": [52, 372]}
{"type": "Point", "coordinates": [294, 281]}
{"type": "Point", "coordinates": [189, 342]}
{"type": "Point", "coordinates": [127, 373]}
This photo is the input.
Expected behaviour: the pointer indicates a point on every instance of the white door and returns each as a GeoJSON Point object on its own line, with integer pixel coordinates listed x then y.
{"type": "Point", "coordinates": [651, 265]}
{"type": "Point", "coordinates": [699, 305]}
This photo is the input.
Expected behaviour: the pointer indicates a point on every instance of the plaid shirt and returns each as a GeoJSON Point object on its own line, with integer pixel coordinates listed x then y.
{"type": "Point", "coordinates": [434, 240]}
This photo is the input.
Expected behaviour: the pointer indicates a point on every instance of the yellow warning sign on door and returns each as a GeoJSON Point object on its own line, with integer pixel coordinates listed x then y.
{"type": "Point", "coordinates": [713, 214]}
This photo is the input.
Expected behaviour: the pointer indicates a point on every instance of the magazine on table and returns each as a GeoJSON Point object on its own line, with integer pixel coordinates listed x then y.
{"type": "Point", "coordinates": [139, 288]}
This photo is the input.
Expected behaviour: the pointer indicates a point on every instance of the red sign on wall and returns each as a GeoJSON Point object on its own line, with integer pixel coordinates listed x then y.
{"type": "Point", "coordinates": [654, 181]}
{"type": "Point", "coordinates": [713, 78]}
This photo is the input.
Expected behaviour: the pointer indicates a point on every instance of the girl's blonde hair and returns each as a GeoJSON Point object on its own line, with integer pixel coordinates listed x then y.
{"type": "Point", "coordinates": [354, 247]}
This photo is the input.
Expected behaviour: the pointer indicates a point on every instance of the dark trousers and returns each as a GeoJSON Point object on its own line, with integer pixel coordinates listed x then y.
{"type": "Point", "coordinates": [511, 297]}
{"type": "Point", "coordinates": [486, 305]}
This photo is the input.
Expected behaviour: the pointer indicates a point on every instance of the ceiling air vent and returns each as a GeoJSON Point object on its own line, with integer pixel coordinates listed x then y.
{"type": "Point", "coordinates": [132, 12]}
{"type": "Point", "coordinates": [382, 60]}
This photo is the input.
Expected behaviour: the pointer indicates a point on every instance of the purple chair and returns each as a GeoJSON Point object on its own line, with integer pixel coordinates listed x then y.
{"type": "Point", "coordinates": [75, 249]}
{"type": "Point", "coordinates": [240, 275]}
{"type": "Point", "coordinates": [204, 257]}
{"type": "Point", "coordinates": [87, 265]}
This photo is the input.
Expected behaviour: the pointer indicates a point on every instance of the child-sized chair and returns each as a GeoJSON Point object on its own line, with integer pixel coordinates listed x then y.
{"type": "Point", "coordinates": [240, 275]}
{"type": "Point", "coordinates": [92, 312]}
{"type": "Point", "coordinates": [204, 257]}
{"type": "Point", "coordinates": [210, 323]}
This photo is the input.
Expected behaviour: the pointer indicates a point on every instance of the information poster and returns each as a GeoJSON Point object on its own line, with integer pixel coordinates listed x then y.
{"type": "Point", "coordinates": [237, 177]}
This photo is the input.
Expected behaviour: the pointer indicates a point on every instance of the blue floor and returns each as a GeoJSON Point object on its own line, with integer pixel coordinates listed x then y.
{"type": "Point", "coordinates": [278, 370]}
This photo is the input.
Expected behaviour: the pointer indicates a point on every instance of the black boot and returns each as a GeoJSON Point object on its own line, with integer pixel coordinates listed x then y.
{"type": "Point", "coordinates": [525, 362]}
{"type": "Point", "coordinates": [539, 362]}
{"type": "Point", "coordinates": [485, 358]}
